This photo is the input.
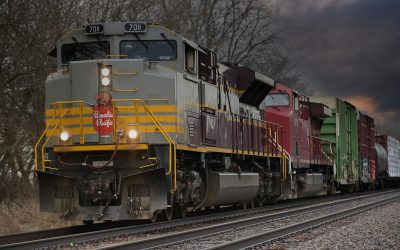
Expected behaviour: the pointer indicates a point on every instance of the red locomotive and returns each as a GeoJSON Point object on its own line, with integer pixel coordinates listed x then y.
{"type": "Point", "coordinates": [301, 120]}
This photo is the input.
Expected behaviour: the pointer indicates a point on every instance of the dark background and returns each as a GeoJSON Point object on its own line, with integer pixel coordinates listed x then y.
{"type": "Point", "coordinates": [349, 49]}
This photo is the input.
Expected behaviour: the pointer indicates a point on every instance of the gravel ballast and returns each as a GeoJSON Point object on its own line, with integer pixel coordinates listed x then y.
{"type": "Point", "coordinates": [378, 228]}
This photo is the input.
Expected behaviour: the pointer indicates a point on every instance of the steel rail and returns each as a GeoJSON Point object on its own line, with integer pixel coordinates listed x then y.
{"type": "Point", "coordinates": [46, 238]}
{"type": "Point", "coordinates": [59, 234]}
{"type": "Point", "coordinates": [180, 237]}
{"type": "Point", "coordinates": [263, 238]}
{"type": "Point", "coordinates": [20, 238]}
{"type": "Point", "coordinates": [54, 232]}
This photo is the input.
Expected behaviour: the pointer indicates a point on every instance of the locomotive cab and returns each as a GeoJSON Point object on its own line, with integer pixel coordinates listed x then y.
{"type": "Point", "coordinates": [110, 110]}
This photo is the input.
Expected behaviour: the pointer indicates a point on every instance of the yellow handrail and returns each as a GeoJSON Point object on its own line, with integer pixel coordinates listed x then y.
{"type": "Point", "coordinates": [172, 144]}
{"type": "Point", "coordinates": [40, 139]}
{"type": "Point", "coordinates": [58, 104]}
{"type": "Point", "coordinates": [168, 138]}
{"type": "Point", "coordinates": [47, 140]}
{"type": "Point", "coordinates": [154, 118]}
{"type": "Point", "coordinates": [284, 154]}
{"type": "Point", "coordinates": [284, 166]}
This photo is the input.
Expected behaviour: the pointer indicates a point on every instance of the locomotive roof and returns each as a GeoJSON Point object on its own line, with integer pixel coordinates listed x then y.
{"type": "Point", "coordinates": [120, 28]}
{"type": "Point", "coordinates": [93, 31]}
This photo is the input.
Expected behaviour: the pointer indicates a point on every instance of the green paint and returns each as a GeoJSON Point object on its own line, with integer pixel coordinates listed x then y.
{"type": "Point", "coordinates": [342, 128]}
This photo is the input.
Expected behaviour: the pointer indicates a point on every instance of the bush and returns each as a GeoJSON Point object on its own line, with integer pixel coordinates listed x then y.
{"type": "Point", "coordinates": [23, 215]}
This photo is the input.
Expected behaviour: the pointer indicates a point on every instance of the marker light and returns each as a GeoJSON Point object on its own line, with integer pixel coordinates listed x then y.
{"type": "Point", "coordinates": [133, 133]}
{"type": "Point", "coordinates": [105, 71]}
{"type": "Point", "coordinates": [64, 136]}
{"type": "Point", "coordinates": [105, 81]}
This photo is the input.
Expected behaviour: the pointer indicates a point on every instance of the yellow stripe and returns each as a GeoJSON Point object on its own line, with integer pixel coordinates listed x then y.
{"type": "Point", "coordinates": [89, 110]}
{"type": "Point", "coordinates": [71, 111]}
{"type": "Point", "coordinates": [121, 120]}
{"type": "Point", "coordinates": [146, 146]}
{"type": "Point", "coordinates": [225, 151]}
{"type": "Point", "coordinates": [100, 147]}
{"type": "Point", "coordinates": [91, 130]}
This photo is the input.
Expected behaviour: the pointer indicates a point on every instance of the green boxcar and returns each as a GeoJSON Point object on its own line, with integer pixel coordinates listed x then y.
{"type": "Point", "coordinates": [341, 128]}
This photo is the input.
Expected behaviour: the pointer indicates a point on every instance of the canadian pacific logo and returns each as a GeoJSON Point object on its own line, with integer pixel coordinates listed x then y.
{"type": "Point", "coordinates": [103, 114]}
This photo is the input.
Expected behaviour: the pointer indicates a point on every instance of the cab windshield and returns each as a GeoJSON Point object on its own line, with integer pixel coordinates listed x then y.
{"type": "Point", "coordinates": [84, 51]}
{"type": "Point", "coordinates": [276, 99]}
{"type": "Point", "coordinates": [152, 50]}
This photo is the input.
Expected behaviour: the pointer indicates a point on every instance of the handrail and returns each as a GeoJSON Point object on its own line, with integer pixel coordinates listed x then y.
{"type": "Point", "coordinates": [322, 139]}
{"type": "Point", "coordinates": [40, 139]}
{"type": "Point", "coordinates": [149, 113]}
{"type": "Point", "coordinates": [166, 135]}
{"type": "Point", "coordinates": [47, 140]}
{"type": "Point", "coordinates": [285, 154]}
{"type": "Point", "coordinates": [45, 143]}
{"type": "Point", "coordinates": [330, 144]}
{"type": "Point", "coordinates": [60, 104]}
{"type": "Point", "coordinates": [172, 144]}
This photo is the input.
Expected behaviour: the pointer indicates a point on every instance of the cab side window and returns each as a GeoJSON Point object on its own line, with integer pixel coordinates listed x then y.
{"type": "Point", "coordinates": [296, 103]}
{"type": "Point", "coordinates": [190, 60]}
{"type": "Point", "coordinates": [207, 65]}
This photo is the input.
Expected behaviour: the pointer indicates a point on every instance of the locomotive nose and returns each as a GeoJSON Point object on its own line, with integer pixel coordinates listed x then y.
{"type": "Point", "coordinates": [96, 83]}
{"type": "Point", "coordinates": [113, 75]}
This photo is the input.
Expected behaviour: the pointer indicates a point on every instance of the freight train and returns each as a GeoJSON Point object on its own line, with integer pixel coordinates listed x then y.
{"type": "Point", "coordinates": [142, 123]}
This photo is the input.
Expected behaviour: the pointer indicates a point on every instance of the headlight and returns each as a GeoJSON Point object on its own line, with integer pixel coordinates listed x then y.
{"type": "Point", "coordinates": [105, 81]}
{"type": "Point", "coordinates": [105, 71]}
{"type": "Point", "coordinates": [105, 74]}
{"type": "Point", "coordinates": [64, 136]}
{"type": "Point", "coordinates": [133, 133]}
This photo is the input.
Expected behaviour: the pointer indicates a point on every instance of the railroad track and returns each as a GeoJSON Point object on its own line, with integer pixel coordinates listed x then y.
{"type": "Point", "coordinates": [205, 225]}
{"type": "Point", "coordinates": [49, 233]}
{"type": "Point", "coordinates": [274, 226]}
{"type": "Point", "coordinates": [259, 240]}
{"type": "Point", "coordinates": [221, 213]}
{"type": "Point", "coordinates": [81, 229]}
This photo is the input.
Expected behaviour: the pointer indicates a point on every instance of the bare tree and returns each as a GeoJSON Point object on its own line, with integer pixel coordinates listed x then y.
{"type": "Point", "coordinates": [28, 30]}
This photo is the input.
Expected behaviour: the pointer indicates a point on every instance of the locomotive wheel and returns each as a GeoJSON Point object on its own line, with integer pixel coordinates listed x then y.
{"type": "Point", "coordinates": [259, 202]}
{"type": "Point", "coordinates": [155, 217]}
{"type": "Point", "coordinates": [181, 211]}
{"type": "Point", "coordinates": [252, 203]}
{"type": "Point", "coordinates": [168, 213]}
{"type": "Point", "coordinates": [88, 222]}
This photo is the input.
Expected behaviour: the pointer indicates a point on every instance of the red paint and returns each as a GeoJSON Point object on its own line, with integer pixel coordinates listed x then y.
{"type": "Point", "coordinates": [103, 119]}
{"type": "Point", "coordinates": [301, 127]}
{"type": "Point", "coordinates": [366, 143]}
{"type": "Point", "coordinates": [373, 170]}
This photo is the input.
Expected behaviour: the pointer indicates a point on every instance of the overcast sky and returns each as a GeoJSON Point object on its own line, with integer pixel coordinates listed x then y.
{"type": "Point", "coordinates": [350, 49]}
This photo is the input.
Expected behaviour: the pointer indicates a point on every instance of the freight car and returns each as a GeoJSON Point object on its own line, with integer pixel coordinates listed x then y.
{"type": "Point", "coordinates": [387, 150]}
{"type": "Point", "coordinates": [366, 149]}
{"type": "Point", "coordinates": [342, 128]}
{"type": "Point", "coordinates": [142, 123]}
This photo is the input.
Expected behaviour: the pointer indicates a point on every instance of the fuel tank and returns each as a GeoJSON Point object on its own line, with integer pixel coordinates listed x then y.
{"type": "Point", "coordinates": [311, 185]}
{"type": "Point", "coordinates": [225, 188]}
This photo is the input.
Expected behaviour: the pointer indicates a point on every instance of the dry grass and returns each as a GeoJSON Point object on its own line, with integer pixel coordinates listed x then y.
{"type": "Point", "coordinates": [25, 216]}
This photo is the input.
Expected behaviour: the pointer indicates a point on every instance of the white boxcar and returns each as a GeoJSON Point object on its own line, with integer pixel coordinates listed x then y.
{"type": "Point", "coordinates": [393, 150]}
